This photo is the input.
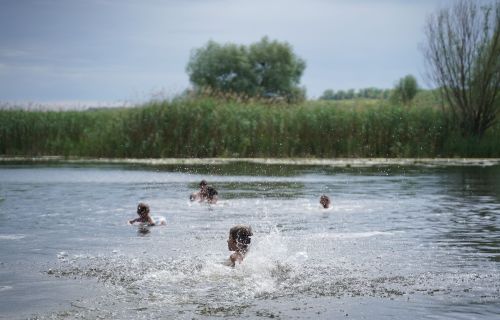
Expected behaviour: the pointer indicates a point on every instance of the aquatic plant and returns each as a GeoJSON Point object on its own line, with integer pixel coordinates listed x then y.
{"type": "Point", "coordinates": [213, 127]}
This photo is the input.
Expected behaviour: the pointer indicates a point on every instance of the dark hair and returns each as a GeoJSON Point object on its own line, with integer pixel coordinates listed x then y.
{"type": "Point", "coordinates": [325, 201]}
{"type": "Point", "coordinates": [241, 234]}
{"type": "Point", "coordinates": [211, 192]}
{"type": "Point", "coordinates": [142, 208]}
{"type": "Point", "coordinates": [203, 183]}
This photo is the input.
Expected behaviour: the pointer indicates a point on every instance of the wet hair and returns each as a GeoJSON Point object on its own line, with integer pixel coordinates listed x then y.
{"type": "Point", "coordinates": [142, 208]}
{"type": "Point", "coordinates": [325, 201]}
{"type": "Point", "coordinates": [211, 192]}
{"type": "Point", "coordinates": [241, 234]}
{"type": "Point", "coordinates": [203, 183]}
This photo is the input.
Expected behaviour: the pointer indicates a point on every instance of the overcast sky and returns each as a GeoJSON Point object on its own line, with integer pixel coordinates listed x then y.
{"type": "Point", "coordinates": [125, 50]}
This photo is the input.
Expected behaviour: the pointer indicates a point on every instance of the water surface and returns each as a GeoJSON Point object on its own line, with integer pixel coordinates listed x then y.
{"type": "Point", "coordinates": [400, 242]}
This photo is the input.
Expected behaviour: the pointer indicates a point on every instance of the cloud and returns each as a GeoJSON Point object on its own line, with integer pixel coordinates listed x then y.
{"type": "Point", "coordinates": [101, 49]}
{"type": "Point", "coordinates": [7, 53]}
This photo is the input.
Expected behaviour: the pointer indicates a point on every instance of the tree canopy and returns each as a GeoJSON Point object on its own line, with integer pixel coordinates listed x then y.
{"type": "Point", "coordinates": [265, 69]}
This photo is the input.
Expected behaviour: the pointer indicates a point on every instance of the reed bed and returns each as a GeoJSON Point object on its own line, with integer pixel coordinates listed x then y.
{"type": "Point", "coordinates": [211, 127]}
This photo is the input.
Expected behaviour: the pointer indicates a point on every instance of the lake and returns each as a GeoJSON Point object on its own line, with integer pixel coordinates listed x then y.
{"type": "Point", "coordinates": [401, 242]}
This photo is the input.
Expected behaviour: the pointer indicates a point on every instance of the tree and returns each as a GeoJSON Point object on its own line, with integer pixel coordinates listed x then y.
{"type": "Point", "coordinates": [406, 89]}
{"type": "Point", "coordinates": [462, 52]}
{"type": "Point", "coordinates": [266, 69]}
{"type": "Point", "coordinates": [341, 95]}
{"type": "Point", "coordinates": [224, 68]}
{"type": "Point", "coordinates": [275, 66]}
{"type": "Point", "coordinates": [328, 94]}
{"type": "Point", "coordinates": [350, 94]}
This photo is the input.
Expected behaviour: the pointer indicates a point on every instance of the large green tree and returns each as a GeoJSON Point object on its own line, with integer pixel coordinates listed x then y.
{"type": "Point", "coordinates": [266, 68]}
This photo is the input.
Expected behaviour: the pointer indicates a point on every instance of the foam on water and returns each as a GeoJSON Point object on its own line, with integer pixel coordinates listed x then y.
{"type": "Point", "coordinates": [159, 220]}
{"type": "Point", "coordinates": [264, 274]}
{"type": "Point", "coordinates": [263, 262]}
{"type": "Point", "coordinates": [267, 262]}
{"type": "Point", "coordinates": [350, 235]}
{"type": "Point", "coordinates": [270, 271]}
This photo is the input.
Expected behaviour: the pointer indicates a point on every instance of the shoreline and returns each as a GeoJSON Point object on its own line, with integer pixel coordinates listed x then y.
{"type": "Point", "coordinates": [335, 162]}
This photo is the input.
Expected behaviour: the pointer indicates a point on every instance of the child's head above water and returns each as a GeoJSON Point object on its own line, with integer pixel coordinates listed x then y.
{"type": "Point", "coordinates": [325, 201]}
{"type": "Point", "coordinates": [142, 209]}
{"type": "Point", "coordinates": [143, 213]}
{"type": "Point", "coordinates": [203, 184]}
{"type": "Point", "coordinates": [239, 238]}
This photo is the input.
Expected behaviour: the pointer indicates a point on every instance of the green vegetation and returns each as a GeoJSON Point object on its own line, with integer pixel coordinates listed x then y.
{"type": "Point", "coordinates": [366, 93]}
{"type": "Point", "coordinates": [247, 103]}
{"type": "Point", "coordinates": [406, 89]}
{"type": "Point", "coordinates": [209, 127]}
{"type": "Point", "coordinates": [263, 69]}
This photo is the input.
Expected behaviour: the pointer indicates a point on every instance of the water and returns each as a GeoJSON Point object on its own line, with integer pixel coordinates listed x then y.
{"type": "Point", "coordinates": [401, 243]}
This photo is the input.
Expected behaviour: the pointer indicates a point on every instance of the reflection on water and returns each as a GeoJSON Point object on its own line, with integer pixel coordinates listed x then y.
{"type": "Point", "coordinates": [397, 239]}
{"type": "Point", "coordinates": [143, 231]}
{"type": "Point", "coordinates": [265, 189]}
{"type": "Point", "coordinates": [472, 210]}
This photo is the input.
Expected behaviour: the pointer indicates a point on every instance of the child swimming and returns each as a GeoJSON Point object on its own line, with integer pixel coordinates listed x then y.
{"type": "Point", "coordinates": [144, 217]}
{"type": "Point", "coordinates": [239, 241]}
{"type": "Point", "coordinates": [212, 195]}
{"type": "Point", "coordinates": [206, 192]}
{"type": "Point", "coordinates": [200, 195]}
{"type": "Point", "coordinates": [325, 201]}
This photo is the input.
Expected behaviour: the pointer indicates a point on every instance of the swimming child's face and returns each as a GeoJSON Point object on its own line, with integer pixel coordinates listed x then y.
{"type": "Point", "coordinates": [142, 210]}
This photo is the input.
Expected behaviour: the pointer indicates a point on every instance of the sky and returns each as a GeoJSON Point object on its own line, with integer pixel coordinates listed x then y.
{"type": "Point", "coordinates": [109, 51]}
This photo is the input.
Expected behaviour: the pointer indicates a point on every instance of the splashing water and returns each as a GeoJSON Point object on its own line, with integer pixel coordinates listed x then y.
{"type": "Point", "coordinates": [425, 241]}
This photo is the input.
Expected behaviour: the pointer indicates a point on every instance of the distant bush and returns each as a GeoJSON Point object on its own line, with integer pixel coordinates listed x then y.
{"type": "Point", "coordinates": [366, 93]}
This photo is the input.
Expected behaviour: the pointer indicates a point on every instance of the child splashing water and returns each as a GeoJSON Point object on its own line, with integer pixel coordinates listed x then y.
{"type": "Point", "coordinates": [200, 195]}
{"type": "Point", "coordinates": [239, 242]}
{"type": "Point", "coordinates": [206, 192]}
{"type": "Point", "coordinates": [269, 262]}
{"type": "Point", "coordinates": [144, 217]}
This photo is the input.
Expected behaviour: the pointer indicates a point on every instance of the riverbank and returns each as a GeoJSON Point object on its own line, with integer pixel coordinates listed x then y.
{"type": "Point", "coordinates": [339, 162]}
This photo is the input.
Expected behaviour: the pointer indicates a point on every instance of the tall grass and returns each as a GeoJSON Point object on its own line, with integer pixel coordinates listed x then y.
{"type": "Point", "coordinates": [210, 127]}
